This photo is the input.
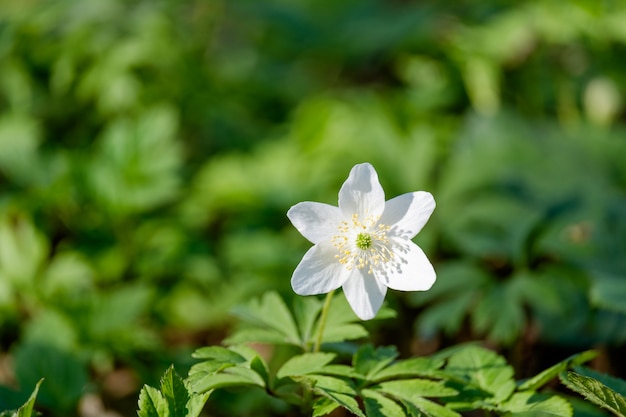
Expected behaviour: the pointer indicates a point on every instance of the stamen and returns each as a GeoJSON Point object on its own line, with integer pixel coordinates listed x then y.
{"type": "Point", "coordinates": [362, 244]}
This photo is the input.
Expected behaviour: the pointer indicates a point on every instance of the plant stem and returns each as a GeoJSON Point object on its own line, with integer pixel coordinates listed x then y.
{"type": "Point", "coordinates": [322, 322]}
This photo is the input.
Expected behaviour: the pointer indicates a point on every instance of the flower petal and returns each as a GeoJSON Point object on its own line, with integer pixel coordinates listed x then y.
{"type": "Point", "coordinates": [362, 193]}
{"type": "Point", "coordinates": [410, 269]}
{"type": "Point", "coordinates": [318, 272]}
{"type": "Point", "coordinates": [315, 221]}
{"type": "Point", "coordinates": [408, 213]}
{"type": "Point", "coordinates": [364, 293]}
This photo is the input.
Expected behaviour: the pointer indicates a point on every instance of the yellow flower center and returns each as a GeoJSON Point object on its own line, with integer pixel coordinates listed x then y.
{"type": "Point", "coordinates": [362, 243]}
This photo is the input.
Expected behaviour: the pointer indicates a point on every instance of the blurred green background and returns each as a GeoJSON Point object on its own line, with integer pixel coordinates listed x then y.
{"type": "Point", "coordinates": [149, 150]}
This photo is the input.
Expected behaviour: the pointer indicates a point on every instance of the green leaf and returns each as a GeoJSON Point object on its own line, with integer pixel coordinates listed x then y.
{"type": "Point", "coordinates": [336, 390]}
{"type": "Point", "coordinates": [377, 405]}
{"type": "Point", "coordinates": [368, 361]}
{"type": "Point", "coordinates": [339, 370]}
{"type": "Point", "coordinates": [272, 316]}
{"type": "Point", "coordinates": [529, 404]}
{"type": "Point", "coordinates": [482, 369]}
{"type": "Point", "coordinates": [175, 393]}
{"type": "Point", "coordinates": [595, 392]}
{"type": "Point", "coordinates": [337, 333]}
{"type": "Point", "coordinates": [552, 372]}
{"type": "Point", "coordinates": [306, 310]}
{"type": "Point", "coordinates": [409, 368]}
{"type": "Point", "coordinates": [246, 334]}
{"type": "Point", "coordinates": [26, 410]}
{"type": "Point", "coordinates": [218, 354]}
{"type": "Point", "coordinates": [323, 406]}
{"type": "Point", "coordinates": [305, 364]}
{"type": "Point", "coordinates": [234, 376]}
{"type": "Point", "coordinates": [196, 404]}
{"type": "Point", "coordinates": [423, 407]}
{"type": "Point", "coordinates": [409, 389]}
{"type": "Point", "coordinates": [152, 403]}
{"type": "Point", "coordinates": [258, 365]}
{"type": "Point", "coordinates": [616, 384]}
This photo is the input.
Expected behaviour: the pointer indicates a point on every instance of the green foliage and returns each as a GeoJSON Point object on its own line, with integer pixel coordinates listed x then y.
{"type": "Point", "coordinates": [376, 383]}
{"type": "Point", "coordinates": [172, 400]}
{"type": "Point", "coordinates": [602, 390]}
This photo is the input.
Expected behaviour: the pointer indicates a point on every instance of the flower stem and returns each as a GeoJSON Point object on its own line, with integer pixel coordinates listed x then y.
{"type": "Point", "coordinates": [322, 322]}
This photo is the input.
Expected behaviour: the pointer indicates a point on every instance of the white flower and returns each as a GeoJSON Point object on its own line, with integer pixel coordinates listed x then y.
{"type": "Point", "coordinates": [364, 245]}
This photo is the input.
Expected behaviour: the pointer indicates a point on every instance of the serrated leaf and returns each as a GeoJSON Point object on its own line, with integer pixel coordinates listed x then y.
{"type": "Point", "coordinates": [368, 360]}
{"type": "Point", "coordinates": [305, 364]}
{"type": "Point", "coordinates": [616, 384]}
{"type": "Point", "coordinates": [234, 376]}
{"type": "Point", "coordinates": [423, 407]}
{"type": "Point", "coordinates": [409, 389]}
{"type": "Point", "coordinates": [152, 403]}
{"type": "Point", "coordinates": [483, 369]}
{"type": "Point", "coordinates": [529, 404]}
{"type": "Point", "coordinates": [175, 393]}
{"type": "Point", "coordinates": [409, 368]}
{"type": "Point", "coordinates": [595, 392]}
{"type": "Point", "coordinates": [26, 410]}
{"type": "Point", "coordinates": [377, 405]}
{"type": "Point", "coordinates": [552, 372]}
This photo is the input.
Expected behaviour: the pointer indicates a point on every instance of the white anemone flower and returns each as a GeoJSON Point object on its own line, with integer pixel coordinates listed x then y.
{"type": "Point", "coordinates": [364, 245]}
